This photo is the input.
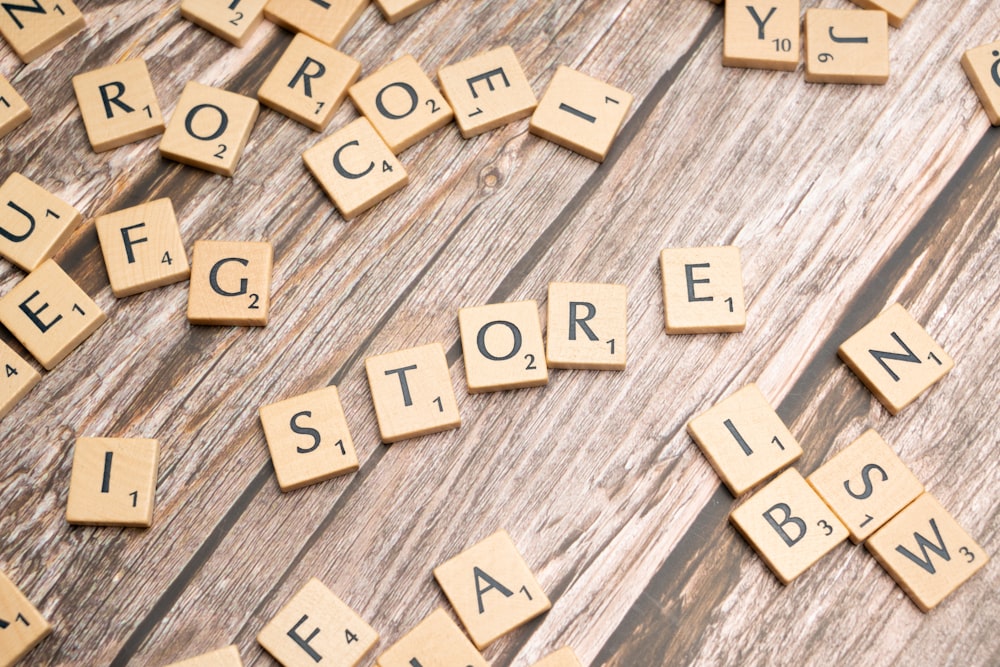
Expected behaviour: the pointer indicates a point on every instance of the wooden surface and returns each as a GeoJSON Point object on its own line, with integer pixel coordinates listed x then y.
{"type": "Point", "coordinates": [843, 199]}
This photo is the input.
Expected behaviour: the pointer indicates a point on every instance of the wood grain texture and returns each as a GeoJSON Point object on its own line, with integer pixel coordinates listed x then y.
{"type": "Point", "coordinates": [843, 199]}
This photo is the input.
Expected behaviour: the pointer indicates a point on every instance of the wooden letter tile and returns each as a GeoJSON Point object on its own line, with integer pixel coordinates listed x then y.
{"type": "Point", "coordinates": [502, 346]}
{"type": "Point", "coordinates": [703, 290]}
{"type": "Point", "coordinates": [401, 103]}
{"type": "Point", "coordinates": [209, 128]}
{"type": "Point", "coordinates": [412, 392]}
{"type": "Point", "coordinates": [113, 482]}
{"type": "Point", "coordinates": [982, 66]}
{"type": "Point", "coordinates": [17, 378]}
{"type": "Point", "coordinates": [789, 525]}
{"type": "Point", "coordinates": [224, 657]}
{"type": "Point", "coordinates": [744, 439]}
{"type": "Point", "coordinates": [355, 168]}
{"type": "Point", "coordinates": [895, 358]}
{"type": "Point", "coordinates": [142, 247]}
{"type": "Point", "coordinates": [762, 34]}
{"type": "Point", "coordinates": [316, 627]}
{"type": "Point", "coordinates": [487, 90]}
{"type": "Point", "coordinates": [491, 588]}
{"type": "Point", "coordinates": [897, 10]}
{"type": "Point", "coordinates": [866, 485]}
{"type": "Point", "coordinates": [33, 27]}
{"type": "Point", "coordinates": [118, 104]}
{"type": "Point", "coordinates": [49, 314]}
{"type": "Point", "coordinates": [309, 82]}
{"type": "Point", "coordinates": [14, 111]}
{"type": "Point", "coordinates": [326, 20]}
{"type": "Point", "coordinates": [847, 46]}
{"type": "Point", "coordinates": [232, 20]}
{"type": "Point", "coordinates": [435, 642]}
{"type": "Point", "coordinates": [230, 283]}
{"type": "Point", "coordinates": [564, 657]}
{"type": "Point", "coordinates": [581, 113]}
{"type": "Point", "coordinates": [308, 438]}
{"type": "Point", "coordinates": [587, 326]}
{"type": "Point", "coordinates": [396, 10]}
{"type": "Point", "coordinates": [927, 552]}
{"type": "Point", "coordinates": [21, 626]}
{"type": "Point", "coordinates": [33, 222]}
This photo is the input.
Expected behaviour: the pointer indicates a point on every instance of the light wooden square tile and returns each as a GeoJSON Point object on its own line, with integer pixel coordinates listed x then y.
{"type": "Point", "coordinates": [317, 627]}
{"type": "Point", "coordinates": [789, 525]}
{"type": "Point", "coordinates": [491, 588]}
{"type": "Point", "coordinates": [865, 485]}
{"type": "Point", "coordinates": [14, 111]}
{"type": "Point", "coordinates": [412, 392]}
{"type": "Point", "coordinates": [224, 657]}
{"type": "Point", "coordinates": [581, 113]}
{"type": "Point", "coordinates": [17, 378]}
{"type": "Point", "coordinates": [762, 35]}
{"type": "Point", "coordinates": [926, 552]}
{"type": "Point", "coordinates": [49, 314]}
{"type": "Point", "coordinates": [564, 657]}
{"type": "Point", "coordinates": [487, 90]}
{"type": "Point", "coordinates": [847, 46]}
{"type": "Point", "coordinates": [587, 326]}
{"type": "Point", "coordinates": [21, 626]}
{"type": "Point", "coordinates": [309, 82]}
{"type": "Point", "coordinates": [744, 439]}
{"type": "Point", "coordinates": [982, 66]}
{"type": "Point", "coordinates": [895, 357]}
{"type": "Point", "coordinates": [230, 283]}
{"type": "Point", "coordinates": [355, 168]}
{"type": "Point", "coordinates": [232, 20]}
{"type": "Point", "coordinates": [142, 247]}
{"type": "Point", "coordinates": [34, 223]}
{"type": "Point", "coordinates": [326, 20]}
{"type": "Point", "coordinates": [502, 346]}
{"type": "Point", "coordinates": [702, 290]}
{"type": "Point", "coordinates": [209, 129]}
{"type": "Point", "coordinates": [897, 10]}
{"type": "Point", "coordinates": [435, 642]}
{"type": "Point", "coordinates": [113, 482]}
{"type": "Point", "coordinates": [308, 438]}
{"type": "Point", "coordinates": [118, 104]}
{"type": "Point", "coordinates": [401, 103]}
{"type": "Point", "coordinates": [36, 26]}
{"type": "Point", "coordinates": [396, 10]}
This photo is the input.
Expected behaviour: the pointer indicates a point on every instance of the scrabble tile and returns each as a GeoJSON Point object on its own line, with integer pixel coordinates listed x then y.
{"type": "Point", "coordinates": [308, 438]}
{"type": "Point", "coordinates": [113, 482]}
{"type": "Point", "coordinates": [564, 657]}
{"type": "Point", "coordinates": [17, 378]}
{"type": "Point", "coordinates": [401, 103]}
{"type": "Point", "coordinates": [230, 283]}
{"type": "Point", "coordinates": [316, 627]}
{"type": "Point", "coordinates": [209, 129]}
{"type": "Point", "coordinates": [865, 485]}
{"type": "Point", "coordinates": [118, 104]}
{"type": "Point", "coordinates": [326, 20]}
{"type": "Point", "coordinates": [763, 34]}
{"type": "Point", "coordinates": [224, 657]}
{"type": "Point", "coordinates": [580, 113]}
{"type": "Point", "coordinates": [897, 10]}
{"type": "Point", "coordinates": [34, 223]}
{"type": "Point", "coordinates": [397, 10]}
{"type": "Point", "coordinates": [702, 290]}
{"type": "Point", "coordinates": [487, 90]}
{"type": "Point", "coordinates": [744, 439]}
{"type": "Point", "coordinates": [926, 552]}
{"type": "Point", "coordinates": [355, 168]}
{"type": "Point", "coordinates": [846, 46]}
{"type": "Point", "coordinates": [789, 525]}
{"type": "Point", "coordinates": [21, 626]}
{"type": "Point", "coordinates": [435, 642]}
{"type": "Point", "coordinates": [309, 82]}
{"type": "Point", "coordinates": [502, 346]}
{"type": "Point", "coordinates": [14, 111]}
{"type": "Point", "coordinates": [587, 326]}
{"type": "Point", "coordinates": [33, 27]}
{"type": "Point", "coordinates": [412, 392]}
{"type": "Point", "coordinates": [142, 247]}
{"type": "Point", "coordinates": [895, 358]}
{"type": "Point", "coordinates": [982, 66]}
{"type": "Point", "coordinates": [232, 20]}
{"type": "Point", "coordinates": [49, 314]}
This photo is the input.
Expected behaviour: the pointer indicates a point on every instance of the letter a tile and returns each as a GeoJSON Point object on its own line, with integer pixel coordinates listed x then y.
{"type": "Point", "coordinates": [17, 378]}
{"type": "Point", "coordinates": [21, 626]}
{"type": "Point", "coordinates": [113, 482]}
{"type": "Point", "coordinates": [435, 642]}
{"type": "Point", "coordinates": [564, 657]}
{"type": "Point", "coordinates": [34, 223]}
{"type": "Point", "coordinates": [326, 20]}
{"type": "Point", "coordinates": [32, 27]}
{"type": "Point", "coordinates": [233, 21]}
{"type": "Point", "coordinates": [762, 34]}
{"type": "Point", "coordinates": [487, 90]}
{"type": "Point", "coordinates": [14, 111]}
{"type": "Point", "coordinates": [502, 346]}
{"type": "Point", "coordinates": [702, 290]}
{"type": "Point", "coordinates": [982, 66]}
{"type": "Point", "coordinates": [847, 46]}
{"type": "Point", "coordinates": [118, 104]}
{"type": "Point", "coordinates": [224, 657]}
{"type": "Point", "coordinates": [230, 283]}
{"type": "Point", "coordinates": [491, 589]}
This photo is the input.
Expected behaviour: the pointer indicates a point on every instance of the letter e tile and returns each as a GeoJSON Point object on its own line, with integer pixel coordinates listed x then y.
{"type": "Point", "coordinates": [702, 290]}
{"type": "Point", "coordinates": [487, 90]}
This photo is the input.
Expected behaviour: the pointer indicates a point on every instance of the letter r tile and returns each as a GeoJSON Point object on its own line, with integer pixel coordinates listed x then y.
{"type": "Point", "coordinates": [118, 104]}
